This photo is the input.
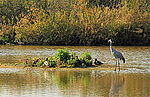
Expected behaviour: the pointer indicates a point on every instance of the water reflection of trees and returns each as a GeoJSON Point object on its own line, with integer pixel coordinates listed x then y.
{"type": "Point", "coordinates": [80, 83]}
{"type": "Point", "coordinates": [137, 85]}
{"type": "Point", "coordinates": [71, 78]}
{"type": "Point", "coordinates": [23, 81]}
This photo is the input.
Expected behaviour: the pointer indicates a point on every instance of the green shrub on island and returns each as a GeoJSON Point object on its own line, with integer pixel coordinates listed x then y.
{"type": "Point", "coordinates": [52, 61]}
{"type": "Point", "coordinates": [86, 59]}
{"type": "Point", "coordinates": [63, 58]}
{"type": "Point", "coordinates": [87, 63]}
{"type": "Point", "coordinates": [63, 55]}
{"type": "Point", "coordinates": [71, 62]}
{"type": "Point", "coordinates": [86, 56]}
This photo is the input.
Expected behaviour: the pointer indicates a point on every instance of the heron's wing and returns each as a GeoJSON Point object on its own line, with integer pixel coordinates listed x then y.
{"type": "Point", "coordinates": [117, 54]}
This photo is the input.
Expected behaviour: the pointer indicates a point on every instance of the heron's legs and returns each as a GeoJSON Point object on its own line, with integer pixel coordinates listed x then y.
{"type": "Point", "coordinates": [119, 64]}
{"type": "Point", "coordinates": [116, 64]}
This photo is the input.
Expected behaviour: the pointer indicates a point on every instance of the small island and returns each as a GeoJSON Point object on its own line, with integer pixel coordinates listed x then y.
{"type": "Point", "coordinates": [62, 59]}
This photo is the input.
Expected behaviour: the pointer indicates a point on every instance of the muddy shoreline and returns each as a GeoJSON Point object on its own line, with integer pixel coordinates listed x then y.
{"type": "Point", "coordinates": [99, 68]}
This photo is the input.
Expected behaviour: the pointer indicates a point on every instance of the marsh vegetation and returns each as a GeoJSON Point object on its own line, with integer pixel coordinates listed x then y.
{"type": "Point", "coordinates": [74, 22]}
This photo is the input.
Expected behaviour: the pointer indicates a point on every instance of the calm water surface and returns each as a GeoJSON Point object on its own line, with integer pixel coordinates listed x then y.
{"type": "Point", "coordinates": [133, 82]}
{"type": "Point", "coordinates": [27, 83]}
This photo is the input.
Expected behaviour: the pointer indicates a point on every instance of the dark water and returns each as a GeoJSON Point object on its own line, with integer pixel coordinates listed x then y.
{"type": "Point", "coordinates": [133, 82]}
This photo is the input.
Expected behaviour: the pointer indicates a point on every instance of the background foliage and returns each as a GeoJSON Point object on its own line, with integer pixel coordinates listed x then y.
{"type": "Point", "coordinates": [75, 22]}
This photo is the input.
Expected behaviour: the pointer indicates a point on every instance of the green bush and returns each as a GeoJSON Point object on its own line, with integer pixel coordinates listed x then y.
{"type": "Point", "coordinates": [63, 55]}
{"type": "Point", "coordinates": [86, 59]}
{"type": "Point", "coordinates": [87, 63]}
{"type": "Point", "coordinates": [72, 62]}
{"type": "Point", "coordinates": [52, 61]}
{"type": "Point", "coordinates": [85, 56]}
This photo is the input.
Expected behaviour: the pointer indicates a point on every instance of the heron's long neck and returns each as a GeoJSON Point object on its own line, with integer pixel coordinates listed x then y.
{"type": "Point", "coordinates": [110, 46]}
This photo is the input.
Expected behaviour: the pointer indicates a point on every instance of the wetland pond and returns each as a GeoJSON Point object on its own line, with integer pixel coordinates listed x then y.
{"type": "Point", "coordinates": [131, 82]}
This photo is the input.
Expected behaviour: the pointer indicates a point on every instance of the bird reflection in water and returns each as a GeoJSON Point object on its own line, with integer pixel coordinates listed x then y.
{"type": "Point", "coordinates": [117, 84]}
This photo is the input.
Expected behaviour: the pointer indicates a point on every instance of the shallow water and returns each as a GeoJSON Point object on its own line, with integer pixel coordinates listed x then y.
{"type": "Point", "coordinates": [138, 55]}
{"type": "Point", "coordinates": [36, 83]}
{"type": "Point", "coordinates": [132, 82]}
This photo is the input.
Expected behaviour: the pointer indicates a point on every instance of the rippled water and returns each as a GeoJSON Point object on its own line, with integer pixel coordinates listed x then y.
{"type": "Point", "coordinates": [133, 82]}
{"type": "Point", "coordinates": [133, 55]}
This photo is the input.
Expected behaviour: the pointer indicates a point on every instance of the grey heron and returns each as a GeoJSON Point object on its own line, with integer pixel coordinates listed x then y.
{"type": "Point", "coordinates": [118, 55]}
